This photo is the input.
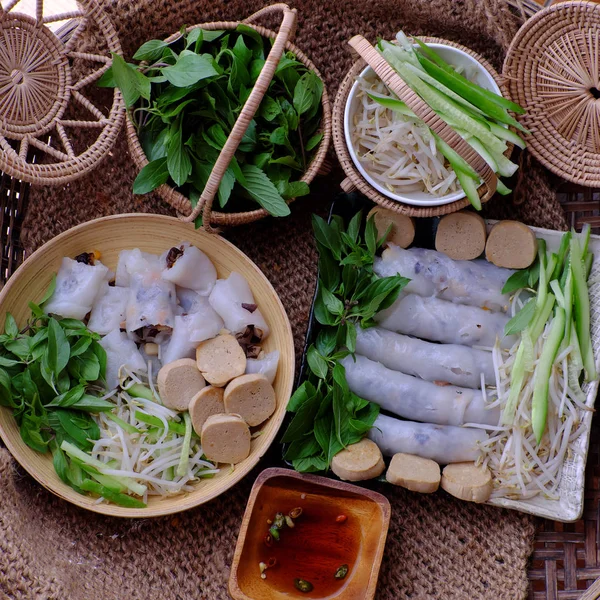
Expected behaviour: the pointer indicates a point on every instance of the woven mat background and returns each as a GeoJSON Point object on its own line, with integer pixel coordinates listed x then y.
{"type": "Point", "coordinates": [437, 547]}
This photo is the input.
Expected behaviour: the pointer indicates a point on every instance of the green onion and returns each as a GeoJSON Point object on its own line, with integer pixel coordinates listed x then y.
{"type": "Point", "coordinates": [184, 459]}
{"type": "Point", "coordinates": [122, 499]}
{"type": "Point", "coordinates": [582, 309]}
{"type": "Point", "coordinates": [543, 371]}
{"type": "Point", "coordinates": [137, 390]}
{"type": "Point", "coordinates": [75, 452]}
{"type": "Point", "coordinates": [174, 427]}
{"type": "Point", "coordinates": [122, 424]}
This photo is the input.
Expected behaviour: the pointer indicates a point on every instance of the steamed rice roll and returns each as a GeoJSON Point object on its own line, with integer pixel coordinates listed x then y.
{"type": "Point", "coordinates": [413, 398]}
{"type": "Point", "coordinates": [443, 443]}
{"type": "Point", "coordinates": [188, 301]}
{"type": "Point", "coordinates": [122, 274]}
{"type": "Point", "coordinates": [152, 300]}
{"type": "Point", "coordinates": [442, 321]}
{"type": "Point", "coordinates": [431, 273]}
{"type": "Point", "coordinates": [121, 351]}
{"type": "Point", "coordinates": [108, 312]}
{"type": "Point", "coordinates": [267, 365]}
{"type": "Point", "coordinates": [233, 300]}
{"type": "Point", "coordinates": [455, 364]}
{"type": "Point", "coordinates": [189, 330]}
{"type": "Point", "coordinates": [189, 267]}
{"type": "Point", "coordinates": [77, 285]}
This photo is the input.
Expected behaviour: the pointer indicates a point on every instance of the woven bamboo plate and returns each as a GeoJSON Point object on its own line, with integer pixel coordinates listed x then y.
{"type": "Point", "coordinates": [204, 205]}
{"type": "Point", "coordinates": [552, 68]}
{"type": "Point", "coordinates": [354, 180]}
{"type": "Point", "coordinates": [150, 233]}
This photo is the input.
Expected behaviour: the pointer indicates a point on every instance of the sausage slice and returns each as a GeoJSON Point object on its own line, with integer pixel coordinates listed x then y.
{"type": "Point", "coordinates": [221, 359]}
{"type": "Point", "coordinates": [179, 382]}
{"type": "Point", "coordinates": [225, 439]}
{"type": "Point", "coordinates": [252, 397]}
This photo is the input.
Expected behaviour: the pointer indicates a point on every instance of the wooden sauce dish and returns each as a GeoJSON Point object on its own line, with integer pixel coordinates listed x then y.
{"type": "Point", "coordinates": [341, 528]}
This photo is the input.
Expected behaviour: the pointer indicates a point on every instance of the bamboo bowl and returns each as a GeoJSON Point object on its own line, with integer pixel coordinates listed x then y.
{"type": "Point", "coordinates": [150, 233]}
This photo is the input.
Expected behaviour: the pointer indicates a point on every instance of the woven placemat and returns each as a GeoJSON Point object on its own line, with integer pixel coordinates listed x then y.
{"type": "Point", "coordinates": [437, 547]}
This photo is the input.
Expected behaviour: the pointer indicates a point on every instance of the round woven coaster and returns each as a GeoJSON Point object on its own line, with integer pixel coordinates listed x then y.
{"type": "Point", "coordinates": [552, 68]}
{"type": "Point", "coordinates": [44, 102]}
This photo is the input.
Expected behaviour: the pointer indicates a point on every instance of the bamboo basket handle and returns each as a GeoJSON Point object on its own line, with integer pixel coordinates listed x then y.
{"type": "Point", "coordinates": [395, 83]}
{"type": "Point", "coordinates": [247, 113]}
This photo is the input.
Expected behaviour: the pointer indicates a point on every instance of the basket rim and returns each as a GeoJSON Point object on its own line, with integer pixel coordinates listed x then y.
{"type": "Point", "coordinates": [180, 202]}
{"type": "Point", "coordinates": [355, 179]}
{"type": "Point", "coordinates": [564, 156]}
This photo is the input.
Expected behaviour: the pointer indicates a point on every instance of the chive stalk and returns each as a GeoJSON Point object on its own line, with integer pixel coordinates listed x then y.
{"type": "Point", "coordinates": [543, 371]}
{"type": "Point", "coordinates": [122, 499]}
{"type": "Point", "coordinates": [184, 459]}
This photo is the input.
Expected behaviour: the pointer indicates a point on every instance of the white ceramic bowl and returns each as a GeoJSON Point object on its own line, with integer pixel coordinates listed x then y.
{"type": "Point", "coordinates": [453, 56]}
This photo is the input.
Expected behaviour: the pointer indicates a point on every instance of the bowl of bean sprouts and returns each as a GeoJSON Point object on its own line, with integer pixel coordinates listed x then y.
{"type": "Point", "coordinates": [394, 151]}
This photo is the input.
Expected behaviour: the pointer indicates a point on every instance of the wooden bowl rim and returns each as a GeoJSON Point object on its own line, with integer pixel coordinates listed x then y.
{"type": "Point", "coordinates": [317, 481]}
{"type": "Point", "coordinates": [166, 507]}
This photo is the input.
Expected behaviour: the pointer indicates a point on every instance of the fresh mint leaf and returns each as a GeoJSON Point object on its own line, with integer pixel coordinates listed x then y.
{"type": "Point", "coordinates": [178, 159]}
{"type": "Point", "coordinates": [303, 421]}
{"type": "Point", "coordinates": [295, 189]}
{"type": "Point", "coordinates": [11, 328]}
{"type": "Point", "coordinates": [269, 109]}
{"type": "Point", "coordinates": [313, 464]}
{"type": "Point", "coordinates": [334, 305]}
{"type": "Point", "coordinates": [189, 69]}
{"type": "Point", "coordinates": [226, 187]}
{"type": "Point", "coordinates": [518, 280]}
{"type": "Point", "coordinates": [325, 343]}
{"type": "Point", "coordinates": [301, 395]}
{"type": "Point", "coordinates": [129, 80]}
{"type": "Point", "coordinates": [150, 51]}
{"type": "Point", "coordinates": [521, 319]}
{"type": "Point", "coordinates": [351, 336]}
{"type": "Point", "coordinates": [322, 315]}
{"type": "Point", "coordinates": [153, 175]}
{"type": "Point", "coordinates": [317, 364]}
{"type": "Point", "coordinates": [313, 142]}
{"type": "Point", "coordinates": [58, 350]}
{"type": "Point", "coordinates": [302, 448]}
{"type": "Point", "coordinates": [262, 190]}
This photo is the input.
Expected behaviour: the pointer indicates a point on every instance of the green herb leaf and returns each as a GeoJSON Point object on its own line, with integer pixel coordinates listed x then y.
{"type": "Point", "coordinates": [178, 159]}
{"type": "Point", "coordinates": [58, 350]}
{"type": "Point", "coordinates": [261, 188]}
{"type": "Point", "coordinates": [49, 290]}
{"type": "Point", "coordinates": [325, 343]}
{"type": "Point", "coordinates": [301, 395]}
{"type": "Point", "coordinates": [313, 142]}
{"type": "Point", "coordinates": [189, 69]}
{"type": "Point", "coordinates": [317, 364]}
{"type": "Point", "coordinates": [518, 280]}
{"type": "Point", "coordinates": [150, 51]}
{"type": "Point", "coordinates": [351, 336]}
{"type": "Point", "coordinates": [153, 175]}
{"type": "Point", "coordinates": [303, 420]}
{"type": "Point", "coordinates": [521, 319]}
{"type": "Point", "coordinates": [334, 305]}
{"type": "Point", "coordinates": [11, 328]}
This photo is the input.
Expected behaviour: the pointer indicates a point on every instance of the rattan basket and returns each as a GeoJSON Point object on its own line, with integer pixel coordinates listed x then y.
{"type": "Point", "coordinates": [212, 218]}
{"type": "Point", "coordinates": [354, 179]}
{"type": "Point", "coordinates": [50, 131]}
{"type": "Point", "coordinates": [552, 67]}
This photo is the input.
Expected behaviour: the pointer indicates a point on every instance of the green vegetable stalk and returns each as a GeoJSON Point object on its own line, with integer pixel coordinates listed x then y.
{"type": "Point", "coordinates": [543, 372]}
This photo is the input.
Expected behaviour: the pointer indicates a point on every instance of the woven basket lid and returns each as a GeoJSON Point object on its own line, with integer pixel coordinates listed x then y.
{"type": "Point", "coordinates": [553, 69]}
{"type": "Point", "coordinates": [50, 131]}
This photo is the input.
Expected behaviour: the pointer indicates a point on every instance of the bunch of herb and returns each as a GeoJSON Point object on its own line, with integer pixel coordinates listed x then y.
{"type": "Point", "coordinates": [327, 415]}
{"type": "Point", "coordinates": [51, 376]}
{"type": "Point", "coordinates": [186, 97]}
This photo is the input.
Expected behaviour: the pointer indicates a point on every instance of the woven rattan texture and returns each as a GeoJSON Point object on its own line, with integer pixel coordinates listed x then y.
{"type": "Point", "coordinates": [552, 67]}
{"type": "Point", "coordinates": [438, 547]}
{"type": "Point", "coordinates": [44, 85]}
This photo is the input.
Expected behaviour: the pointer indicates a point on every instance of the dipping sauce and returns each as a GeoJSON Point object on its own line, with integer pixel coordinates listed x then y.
{"type": "Point", "coordinates": [314, 550]}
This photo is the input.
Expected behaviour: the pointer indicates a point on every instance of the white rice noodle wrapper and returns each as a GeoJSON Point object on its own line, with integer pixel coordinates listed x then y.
{"type": "Point", "coordinates": [156, 362]}
{"type": "Point", "coordinates": [121, 351]}
{"type": "Point", "coordinates": [431, 273]}
{"type": "Point", "coordinates": [77, 286]}
{"type": "Point", "coordinates": [192, 270]}
{"type": "Point", "coordinates": [267, 365]}
{"type": "Point", "coordinates": [443, 443]}
{"type": "Point", "coordinates": [189, 330]}
{"type": "Point", "coordinates": [109, 308]}
{"type": "Point", "coordinates": [412, 398]}
{"type": "Point", "coordinates": [122, 275]}
{"type": "Point", "coordinates": [442, 321]}
{"type": "Point", "coordinates": [227, 298]}
{"type": "Point", "coordinates": [188, 301]}
{"type": "Point", "coordinates": [455, 364]}
{"type": "Point", "coordinates": [152, 300]}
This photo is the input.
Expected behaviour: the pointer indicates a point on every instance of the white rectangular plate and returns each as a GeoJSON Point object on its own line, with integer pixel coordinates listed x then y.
{"type": "Point", "coordinates": [569, 506]}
